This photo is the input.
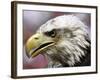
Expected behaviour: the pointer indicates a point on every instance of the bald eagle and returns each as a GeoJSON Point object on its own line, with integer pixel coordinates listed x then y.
{"type": "Point", "coordinates": [63, 40]}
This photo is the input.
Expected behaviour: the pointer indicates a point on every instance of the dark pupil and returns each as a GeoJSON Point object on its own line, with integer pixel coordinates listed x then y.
{"type": "Point", "coordinates": [51, 33]}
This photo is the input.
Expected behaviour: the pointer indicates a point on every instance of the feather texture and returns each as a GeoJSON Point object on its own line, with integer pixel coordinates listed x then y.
{"type": "Point", "coordinates": [73, 45]}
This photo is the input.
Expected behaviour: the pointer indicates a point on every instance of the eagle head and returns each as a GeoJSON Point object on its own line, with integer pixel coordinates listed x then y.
{"type": "Point", "coordinates": [64, 40]}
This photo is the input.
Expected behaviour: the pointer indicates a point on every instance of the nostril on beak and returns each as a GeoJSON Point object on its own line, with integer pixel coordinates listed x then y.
{"type": "Point", "coordinates": [36, 38]}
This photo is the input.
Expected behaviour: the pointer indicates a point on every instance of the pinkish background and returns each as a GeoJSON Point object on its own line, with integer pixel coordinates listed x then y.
{"type": "Point", "coordinates": [32, 20]}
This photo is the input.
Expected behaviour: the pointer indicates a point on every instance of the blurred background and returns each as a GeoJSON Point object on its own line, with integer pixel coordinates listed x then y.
{"type": "Point", "coordinates": [32, 20]}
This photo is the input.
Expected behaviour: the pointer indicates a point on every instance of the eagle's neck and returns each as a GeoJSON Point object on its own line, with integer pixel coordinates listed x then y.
{"type": "Point", "coordinates": [84, 61]}
{"type": "Point", "coordinates": [69, 54]}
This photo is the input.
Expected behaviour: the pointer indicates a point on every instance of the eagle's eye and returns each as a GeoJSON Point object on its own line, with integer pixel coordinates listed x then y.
{"type": "Point", "coordinates": [51, 33]}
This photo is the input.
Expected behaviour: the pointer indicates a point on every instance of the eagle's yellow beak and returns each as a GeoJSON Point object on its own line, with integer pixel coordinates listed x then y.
{"type": "Point", "coordinates": [37, 43]}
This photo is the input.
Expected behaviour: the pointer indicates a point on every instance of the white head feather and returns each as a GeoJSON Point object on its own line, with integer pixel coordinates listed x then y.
{"type": "Point", "coordinates": [73, 43]}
